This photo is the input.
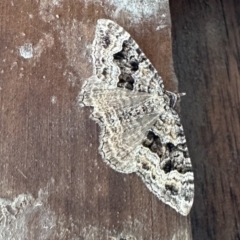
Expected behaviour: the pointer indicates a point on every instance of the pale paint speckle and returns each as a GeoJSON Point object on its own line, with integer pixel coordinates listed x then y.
{"type": "Point", "coordinates": [140, 8]}
{"type": "Point", "coordinates": [160, 27]}
{"type": "Point", "coordinates": [26, 51]}
{"type": "Point", "coordinates": [135, 10]}
{"type": "Point", "coordinates": [53, 99]}
{"type": "Point", "coordinates": [14, 64]}
{"type": "Point", "coordinates": [46, 42]}
{"type": "Point", "coordinates": [163, 23]}
{"type": "Point", "coordinates": [21, 75]}
{"type": "Point", "coordinates": [16, 217]}
{"type": "Point", "coordinates": [47, 7]}
{"type": "Point", "coordinates": [57, 2]}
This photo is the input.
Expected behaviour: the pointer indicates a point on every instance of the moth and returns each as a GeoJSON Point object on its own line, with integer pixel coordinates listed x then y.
{"type": "Point", "coordinates": [140, 130]}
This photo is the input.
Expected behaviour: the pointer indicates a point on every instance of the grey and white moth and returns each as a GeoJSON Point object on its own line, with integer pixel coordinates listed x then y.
{"type": "Point", "coordinates": [140, 130]}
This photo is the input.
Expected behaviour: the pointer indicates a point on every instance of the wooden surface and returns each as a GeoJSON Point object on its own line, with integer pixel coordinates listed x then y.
{"type": "Point", "coordinates": [206, 46]}
{"type": "Point", "coordinates": [54, 184]}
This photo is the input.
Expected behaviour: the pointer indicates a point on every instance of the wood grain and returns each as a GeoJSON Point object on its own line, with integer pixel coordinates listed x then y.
{"type": "Point", "coordinates": [52, 177]}
{"type": "Point", "coordinates": [206, 56]}
{"type": "Point", "coordinates": [49, 146]}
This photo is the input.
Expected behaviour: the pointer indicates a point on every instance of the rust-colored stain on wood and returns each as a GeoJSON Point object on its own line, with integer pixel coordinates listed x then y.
{"type": "Point", "coordinates": [52, 176]}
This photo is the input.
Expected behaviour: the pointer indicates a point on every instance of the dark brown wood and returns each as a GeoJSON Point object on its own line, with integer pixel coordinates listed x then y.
{"type": "Point", "coordinates": [49, 146]}
{"type": "Point", "coordinates": [206, 46]}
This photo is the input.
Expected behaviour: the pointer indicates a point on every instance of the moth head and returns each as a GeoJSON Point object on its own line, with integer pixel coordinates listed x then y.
{"type": "Point", "coordinates": [174, 98]}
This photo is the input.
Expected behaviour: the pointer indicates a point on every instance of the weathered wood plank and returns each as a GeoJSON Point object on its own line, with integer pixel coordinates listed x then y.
{"type": "Point", "coordinates": [206, 55]}
{"type": "Point", "coordinates": [49, 146]}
